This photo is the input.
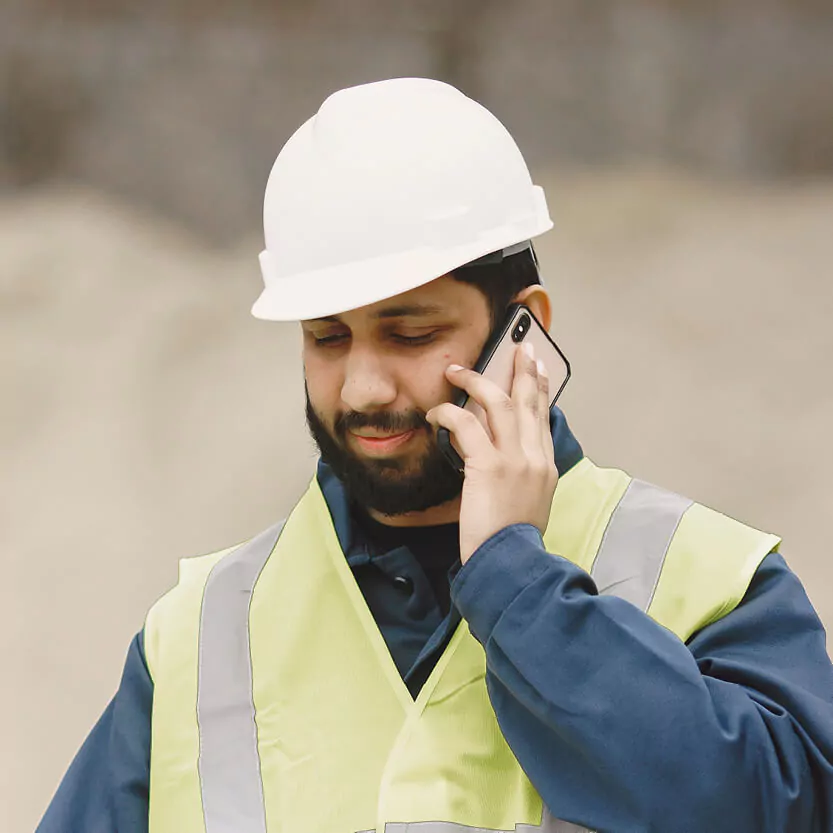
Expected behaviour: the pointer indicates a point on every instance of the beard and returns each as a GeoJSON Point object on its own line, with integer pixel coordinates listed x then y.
{"type": "Point", "coordinates": [392, 486]}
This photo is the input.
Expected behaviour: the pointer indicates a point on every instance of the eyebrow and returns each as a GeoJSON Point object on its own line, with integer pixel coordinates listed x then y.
{"type": "Point", "coordinates": [401, 311]}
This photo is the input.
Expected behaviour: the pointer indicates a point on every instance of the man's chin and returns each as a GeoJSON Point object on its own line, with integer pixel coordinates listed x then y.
{"type": "Point", "coordinates": [414, 478]}
{"type": "Point", "coordinates": [398, 485]}
{"type": "Point", "coordinates": [393, 469]}
{"type": "Point", "coordinates": [397, 467]}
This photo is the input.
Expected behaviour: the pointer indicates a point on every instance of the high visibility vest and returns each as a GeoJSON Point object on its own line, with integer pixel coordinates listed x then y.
{"type": "Point", "coordinates": [277, 707]}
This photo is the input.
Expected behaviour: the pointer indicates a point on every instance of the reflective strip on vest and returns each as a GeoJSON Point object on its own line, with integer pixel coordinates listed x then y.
{"type": "Point", "coordinates": [636, 541]}
{"type": "Point", "coordinates": [627, 565]}
{"type": "Point", "coordinates": [548, 825]}
{"type": "Point", "coordinates": [229, 764]}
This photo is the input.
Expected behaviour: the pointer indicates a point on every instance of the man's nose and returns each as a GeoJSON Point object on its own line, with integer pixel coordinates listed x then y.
{"type": "Point", "coordinates": [367, 384]}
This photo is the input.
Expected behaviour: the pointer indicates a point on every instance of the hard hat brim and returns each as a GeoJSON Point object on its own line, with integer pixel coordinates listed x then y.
{"type": "Point", "coordinates": [325, 292]}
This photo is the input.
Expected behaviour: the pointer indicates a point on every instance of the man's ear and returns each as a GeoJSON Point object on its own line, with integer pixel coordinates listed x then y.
{"type": "Point", "coordinates": [538, 300]}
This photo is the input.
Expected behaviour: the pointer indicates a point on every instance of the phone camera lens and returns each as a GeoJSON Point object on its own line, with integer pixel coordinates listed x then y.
{"type": "Point", "coordinates": [520, 328]}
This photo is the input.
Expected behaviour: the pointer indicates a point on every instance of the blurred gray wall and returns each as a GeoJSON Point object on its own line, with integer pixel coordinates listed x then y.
{"type": "Point", "coordinates": [148, 101]}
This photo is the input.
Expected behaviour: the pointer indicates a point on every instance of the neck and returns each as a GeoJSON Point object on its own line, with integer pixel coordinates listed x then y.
{"type": "Point", "coordinates": [445, 513]}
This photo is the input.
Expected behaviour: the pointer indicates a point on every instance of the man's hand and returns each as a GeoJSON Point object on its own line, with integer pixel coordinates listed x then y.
{"type": "Point", "coordinates": [509, 479]}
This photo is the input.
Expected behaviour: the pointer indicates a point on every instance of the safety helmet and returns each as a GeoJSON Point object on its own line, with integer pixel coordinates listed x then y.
{"type": "Point", "coordinates": [389, 186]}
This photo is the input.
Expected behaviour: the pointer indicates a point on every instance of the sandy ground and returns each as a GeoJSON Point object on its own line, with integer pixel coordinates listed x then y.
{"type": "Point", "coordinates": [145, 416]}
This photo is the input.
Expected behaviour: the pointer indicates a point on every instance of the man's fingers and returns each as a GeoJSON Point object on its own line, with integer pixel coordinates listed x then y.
{"type": "Point", "coordinates": [543, 389]}
{"type": "Point", "coordinates": [469, 435]}
{"type": "Point", "coordinates": [499, 406]}
{"type": "Point", "coordinates": [518, 421]}
{"type": "Point", "coordinates": [544, 409]}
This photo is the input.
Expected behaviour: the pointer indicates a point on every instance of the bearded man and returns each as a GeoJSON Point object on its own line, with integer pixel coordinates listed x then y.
{"type": "Point", "coordinates": [533, 643]}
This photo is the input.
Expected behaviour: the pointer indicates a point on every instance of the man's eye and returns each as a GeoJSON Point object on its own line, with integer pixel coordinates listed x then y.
{"type": "Point", "coordinates": [413, 341]}
{"type": "Point", "coordinates": [330, 341]}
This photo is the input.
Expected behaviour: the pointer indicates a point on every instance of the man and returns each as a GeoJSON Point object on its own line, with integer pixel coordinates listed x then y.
{"type": "Point", "coordinates": [536, 644]}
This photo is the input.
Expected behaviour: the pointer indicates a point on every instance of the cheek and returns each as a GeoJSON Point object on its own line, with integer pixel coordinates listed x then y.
{"type": "Point", "coordinates": [430, 386]}
{"type": "Point", "coordinates": [323, 385]}
{"type": "Point", "coordinates": [466, 355]}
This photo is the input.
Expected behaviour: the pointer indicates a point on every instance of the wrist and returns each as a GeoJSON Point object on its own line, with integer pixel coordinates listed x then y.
{"type": "Point", "coordinates": [496, 573]}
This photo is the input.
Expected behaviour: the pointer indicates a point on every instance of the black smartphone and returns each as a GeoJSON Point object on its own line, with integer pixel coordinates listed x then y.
{"type": "Point", "coordinates": [497, 362]}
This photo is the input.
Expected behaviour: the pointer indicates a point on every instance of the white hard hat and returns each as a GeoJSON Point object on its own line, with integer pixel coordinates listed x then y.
{"type": "Point", "coordinates": [389, 186]}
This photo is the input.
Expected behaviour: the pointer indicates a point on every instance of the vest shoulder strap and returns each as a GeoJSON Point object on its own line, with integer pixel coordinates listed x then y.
{"type": "Point", "coordinates": [709, 567]}
{"type": "Point", "coordinates": [683, 563]}
{"type": "Point", "coordinates": [184, 596]}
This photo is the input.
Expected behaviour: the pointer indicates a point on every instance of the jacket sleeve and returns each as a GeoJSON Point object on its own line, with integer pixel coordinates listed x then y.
{"type": "Point", "coordinates": [105, 790]}
{"type": "Point", "coordinates": [620, 726]}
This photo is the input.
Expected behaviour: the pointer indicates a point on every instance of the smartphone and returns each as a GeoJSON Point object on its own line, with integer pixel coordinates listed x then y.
{"type": "Point", "coordinates": [497, 362]}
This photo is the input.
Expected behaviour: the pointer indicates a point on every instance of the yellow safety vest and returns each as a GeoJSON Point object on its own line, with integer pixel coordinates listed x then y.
{"type": "Point", "coordinates": [277, 706]}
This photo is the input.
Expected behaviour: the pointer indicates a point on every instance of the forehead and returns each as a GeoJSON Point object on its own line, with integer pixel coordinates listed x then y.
{"type": "Point", "coordinates": [444, 296]}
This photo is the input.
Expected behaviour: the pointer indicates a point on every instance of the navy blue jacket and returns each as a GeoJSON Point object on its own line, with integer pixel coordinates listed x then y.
{"type": "Point", "coordinates": [618, 724]}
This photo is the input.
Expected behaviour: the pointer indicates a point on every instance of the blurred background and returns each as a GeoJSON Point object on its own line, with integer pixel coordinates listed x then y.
{"type": "Point", "coordinates": [687, 153]}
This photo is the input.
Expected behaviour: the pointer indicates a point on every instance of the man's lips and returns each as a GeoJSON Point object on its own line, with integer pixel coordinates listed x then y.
{"type": "Point", "coordinates": [382, 444]}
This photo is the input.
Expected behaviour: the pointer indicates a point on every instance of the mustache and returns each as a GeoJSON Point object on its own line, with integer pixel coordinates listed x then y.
{"type": "Point", "coordinates": [388, 421]}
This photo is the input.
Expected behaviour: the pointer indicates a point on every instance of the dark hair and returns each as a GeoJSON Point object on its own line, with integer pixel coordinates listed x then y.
{"type": "Point", "coordinates": [501, 281]}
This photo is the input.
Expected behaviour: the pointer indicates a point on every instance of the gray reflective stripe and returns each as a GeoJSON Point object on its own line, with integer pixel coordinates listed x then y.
{"type": "Point", "coordinates": [635, 543]}
{"type": "Point", "coordinates": [438, 827]}
{"type": "Point", "coordinates": [548, 825]}
{"type": "Point", "coordinates": [229, 764]}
